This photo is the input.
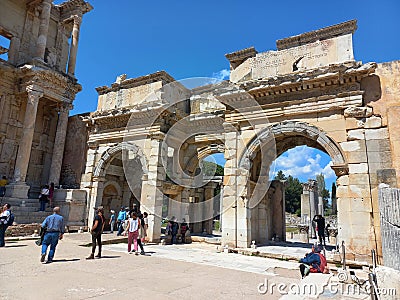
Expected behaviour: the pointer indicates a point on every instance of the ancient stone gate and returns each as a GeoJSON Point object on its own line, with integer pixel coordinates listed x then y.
{"type": "Point", "coordinates": [310, 91]}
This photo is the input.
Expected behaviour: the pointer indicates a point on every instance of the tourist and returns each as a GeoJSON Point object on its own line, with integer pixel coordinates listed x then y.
{"type": "Point", "coordinates": [313, 262]}
{"type": "Point", "coordinates": [51, 194]}
{"type": "Point", "coordinates": [142, 232]}
{"type": "Point", "coordinates": [184, 229]}
{"type": "Point", "coordinates": [120, 221]}
{"type": "Point", "coordinates": [43, 198]}
{"type": "Point", "coordinates": [54, 226]}
{"type": "Point", "coordinates": [3, 183]}
{"type": "Point", "coordinates": [320, 220]}
{"type": "Point", "coordinates": [96, 231]}
{"type": "Point", "coordinates": [4, 222]}
{"type": "Point", "coordinates": [173, 229]}
{"type": "Point", "coordinates": [145, 226]}
{"type": "Point", "coordinates": [327, 231]}
{"type": "Point", "coordinates": [112, 220]}
{"type": "Point", "coordinates": [133, 232]}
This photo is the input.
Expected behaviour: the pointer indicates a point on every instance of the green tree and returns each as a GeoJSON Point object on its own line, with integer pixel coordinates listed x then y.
{"type": "Point", "coordinates": [212, 169]}
{"type": "Point", "coordinates": [293, 191]}
{"type": "Point", "coordinates": [280, 176]}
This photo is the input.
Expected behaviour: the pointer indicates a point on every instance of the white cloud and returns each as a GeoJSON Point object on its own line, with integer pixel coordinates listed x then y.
{"type": "Point", "coordinates": [304, 162]}
{"type": "Point", "coordinates": [220, 76]}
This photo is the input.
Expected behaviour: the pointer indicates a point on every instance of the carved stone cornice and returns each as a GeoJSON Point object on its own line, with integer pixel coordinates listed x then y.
{"type": "Point", "coordinates": [53, 84]}
{"type": "Point", "coordinates": [241, 55]}
{"type": "Point", "coordinates": [340, 169]}
{"type": "Point", "coordinates": [162, 76]}
{"type": "Point", "coordinates": [317, 35]}
{"type": "Point", "coordinates": [334, 79]}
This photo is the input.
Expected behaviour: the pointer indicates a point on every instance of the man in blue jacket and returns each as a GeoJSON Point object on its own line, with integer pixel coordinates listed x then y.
{"type": "Point", "coordinates": [120, 220]}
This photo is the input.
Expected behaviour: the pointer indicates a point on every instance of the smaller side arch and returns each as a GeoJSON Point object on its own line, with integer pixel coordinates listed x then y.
{"type": "Point", "coordinates": [202, 153]}
{"type": "Point", "coordinates": [109, 153]}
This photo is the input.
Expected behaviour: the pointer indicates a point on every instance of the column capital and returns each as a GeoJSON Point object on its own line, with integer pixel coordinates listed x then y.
{"type": "Point", "coordinates": [77, 19]}
{"type": "Point", "coordinates": [33, 94]}
{"type": "Point", "coordinates": [64, 107]}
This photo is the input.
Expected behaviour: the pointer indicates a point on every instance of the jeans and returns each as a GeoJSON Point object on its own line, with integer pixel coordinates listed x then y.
{"type": "Point", "coordinates": [112, 226]}
{"type": "Point", "coordinates": [132, 236]}
{"type": "Point", "coordinates": [42, 205]}
{"type": "Point", "coordinates": [96, 239]}
{"type": "Point", "coordinates": [2, 191]}
{"type": "Point", "coordinates": [50, 238]}
{"type": "Point", "coordinates": [3, 229]}
{"type": "Point", "coordinates": [120, 227]}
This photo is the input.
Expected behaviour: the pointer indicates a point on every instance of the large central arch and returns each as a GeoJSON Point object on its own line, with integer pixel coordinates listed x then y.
{"type": "Point", "coordinates": [257, 215]}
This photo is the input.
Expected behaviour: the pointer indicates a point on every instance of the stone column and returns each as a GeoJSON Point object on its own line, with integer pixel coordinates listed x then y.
{"type": "Point", "coordinates": [19, 189]}
{"type": "Point", "coordinates": [59, 142]}
{"type": "Point", "coordinates": [74, 45]}
{"type": "Point", "coordinates": [96, 196]}
{"type": "Point", "coordinates": [14, 49]}
{"type": "Point", "coordinates": [152, 195]}
{"type": "Point", "coordinates": [208, 207]}
{"type": "Point", "coordinates": [43, 29]}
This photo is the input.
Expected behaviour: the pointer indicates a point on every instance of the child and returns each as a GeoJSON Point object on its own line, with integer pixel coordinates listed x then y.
{"type": "Point", "coordinates": [133, 232]}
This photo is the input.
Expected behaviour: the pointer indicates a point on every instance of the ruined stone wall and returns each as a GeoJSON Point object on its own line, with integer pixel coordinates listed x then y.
{"type": "Point", "coordinates": [74, 153]}
{"type": "Point", "coordinates": [389, 201]}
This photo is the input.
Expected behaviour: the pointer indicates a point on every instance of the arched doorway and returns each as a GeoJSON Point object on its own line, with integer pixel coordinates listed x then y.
{"type": "Point", "coordinates": [256, 215]}
{"type": "Point", "coordinates": [117, 179]}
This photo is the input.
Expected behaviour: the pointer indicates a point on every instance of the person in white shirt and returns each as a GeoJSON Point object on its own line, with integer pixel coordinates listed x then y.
{"type": "Point", "coordinates": [43, 198]}
{"type": "Point", "coordinates": [133, 232]}
{"type": "Point", "coordinates": [4, 218]}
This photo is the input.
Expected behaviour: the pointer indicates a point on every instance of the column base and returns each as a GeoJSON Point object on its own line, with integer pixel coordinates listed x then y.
{"type": "Point", "coordinates": [17, 190]}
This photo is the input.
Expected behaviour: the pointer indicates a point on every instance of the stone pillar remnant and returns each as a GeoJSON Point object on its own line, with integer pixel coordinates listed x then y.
{"type": "Point", "coordinates": [74, 45]}
{"type": "Point", "coordinates": [24, 149]}
{"type": "Point", "coordinates": [59, 143]}
{"type": "Point", "coordinates": [43, 29]}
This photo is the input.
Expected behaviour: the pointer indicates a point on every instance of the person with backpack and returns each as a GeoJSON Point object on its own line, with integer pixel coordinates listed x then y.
{"type": "Point", "coordinates": [6, 219]}
{"type": "Point", "coordinates": [313, 262]}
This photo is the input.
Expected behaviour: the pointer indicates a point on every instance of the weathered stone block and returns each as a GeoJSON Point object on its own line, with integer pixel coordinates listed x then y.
{"type": "Point", "coordinates": [361, 179]}
{"type": "Point", "coordinates": [373, 122]}
{"type": "Point", "coordinates": [343, 180]}
{"type": "Point", "coordinates": [356, 134]}
{"type": "Point", "coordinates": [352, 146]}
{"type": "Point", "coordinates": [380, 157]}
{"type": "Point", "coordinates": [376, 134]}
{"type": "Point", "coordinates": [378, 145]}
{"type": "Point", "coordinates": [358, 168]}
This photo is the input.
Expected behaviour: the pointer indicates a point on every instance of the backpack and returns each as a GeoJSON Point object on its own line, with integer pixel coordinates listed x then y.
{"type": "Point", "coordinates": [319, 268]}
{"type": "Point", "coordinates": [10, 219]}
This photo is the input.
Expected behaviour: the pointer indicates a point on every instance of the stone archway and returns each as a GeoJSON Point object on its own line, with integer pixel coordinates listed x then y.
{"type": "Point", "coordinates": [109, 173]}
{"type": "Point", "coordinates": [251, 193]}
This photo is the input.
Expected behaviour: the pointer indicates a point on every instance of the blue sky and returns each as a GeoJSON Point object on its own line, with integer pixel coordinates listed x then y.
{"type": "Point", "coordinates": [190, 39]}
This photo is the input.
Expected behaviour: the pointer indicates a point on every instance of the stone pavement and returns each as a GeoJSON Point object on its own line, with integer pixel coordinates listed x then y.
{"type": "Point", "coordinates": [194, 271]}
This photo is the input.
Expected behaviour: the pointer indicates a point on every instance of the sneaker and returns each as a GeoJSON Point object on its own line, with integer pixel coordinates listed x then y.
{"type": "Point", "coordinates": [91, 256]}
{"type": "Point", "coordinates": [49, 261]}
{"type": "Point", "coordinates": [42, 257]}
{"type": "Point", "coordinates": [142, 253]}
{"type": "Point", "coordinates": [136, 253]}
{"type": "Point", "coordinates": [98, 256]}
